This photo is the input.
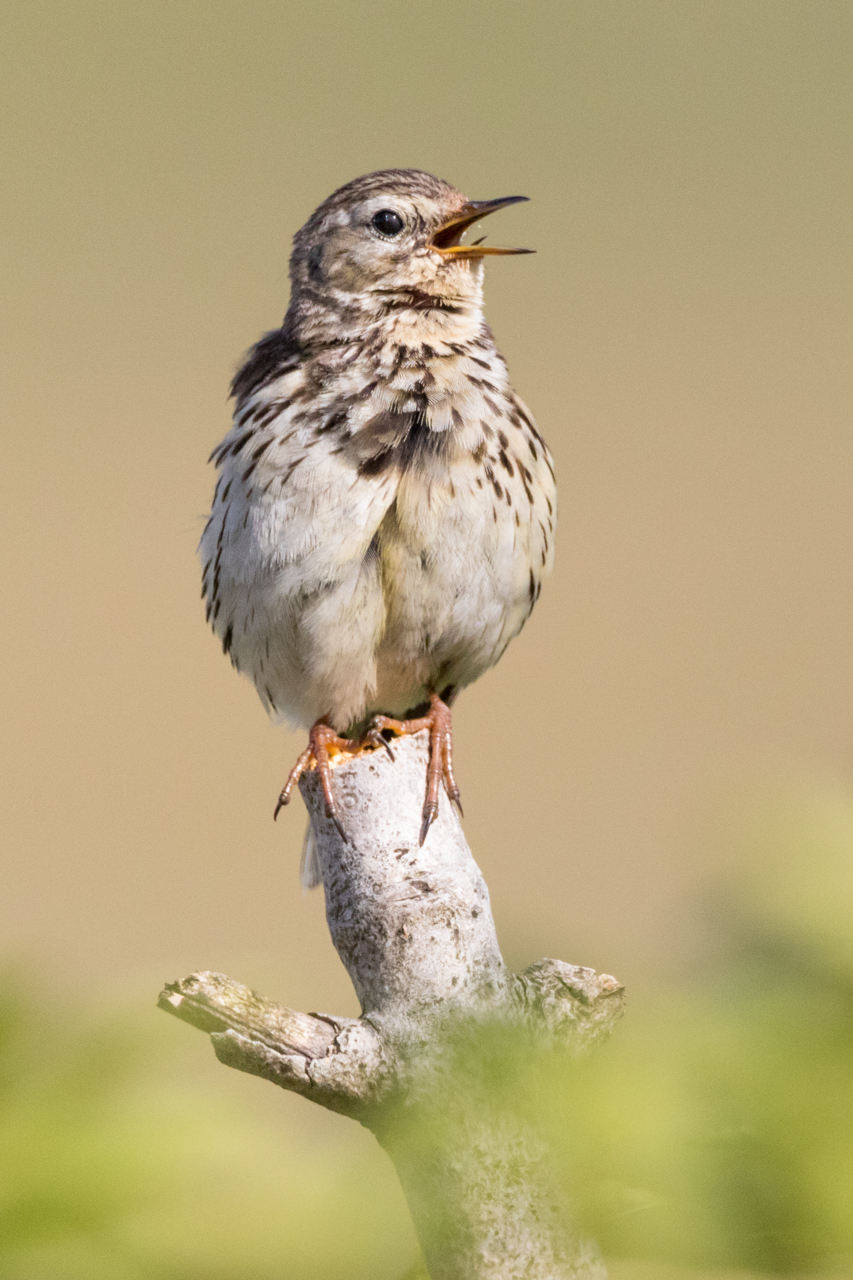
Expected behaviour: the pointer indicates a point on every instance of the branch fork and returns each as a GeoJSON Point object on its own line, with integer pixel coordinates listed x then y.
{"type": "Point", "coordinates": [413, 926]}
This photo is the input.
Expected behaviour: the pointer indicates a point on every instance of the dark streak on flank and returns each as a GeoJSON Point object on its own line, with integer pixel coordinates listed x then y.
{"type": "Point", "coordinates": [274, 355]}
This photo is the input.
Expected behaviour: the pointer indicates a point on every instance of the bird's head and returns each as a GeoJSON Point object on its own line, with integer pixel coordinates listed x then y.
{"type": "Point", "coordinates": [390, 241]}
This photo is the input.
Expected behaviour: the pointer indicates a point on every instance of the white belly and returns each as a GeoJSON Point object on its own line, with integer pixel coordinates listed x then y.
{"type": "Point", "coordinates": [343, 589]}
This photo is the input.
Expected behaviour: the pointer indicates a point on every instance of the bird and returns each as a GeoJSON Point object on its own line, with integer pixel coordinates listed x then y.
{"type": "Point", "coordinates": [385, 506]}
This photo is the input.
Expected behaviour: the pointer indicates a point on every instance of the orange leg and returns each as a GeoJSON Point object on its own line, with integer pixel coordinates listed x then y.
{"type": "Point", "coordinates": [440, 754]}
{"type": "Point", "coordinates": [323, 743]}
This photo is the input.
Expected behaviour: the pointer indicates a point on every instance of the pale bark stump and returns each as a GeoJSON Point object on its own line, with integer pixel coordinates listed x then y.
{"type": "Point", "coordinates": [414, 929]}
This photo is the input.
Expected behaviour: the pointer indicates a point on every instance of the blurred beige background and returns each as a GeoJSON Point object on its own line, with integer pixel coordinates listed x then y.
{"type": "Point", "coordinates": [683, 336]}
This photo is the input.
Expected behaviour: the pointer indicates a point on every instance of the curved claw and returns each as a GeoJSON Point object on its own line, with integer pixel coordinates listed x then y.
{"type": "Point", "coordinates": [338, 825]}
{"type": "Point", "coordinates": [429, 816]}
{"type": "Point", "coordinates": [447, 769]}
{"type": "Point", "coordinates": [373, 735]}
{"type": "Point", "coordinates": [293, 777]}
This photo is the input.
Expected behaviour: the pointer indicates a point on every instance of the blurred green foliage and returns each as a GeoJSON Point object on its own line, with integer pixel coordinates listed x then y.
{"type": "Point", "coordinates": [127, 1153]}
{"type": "Point", "coordinates": [714, 1130]}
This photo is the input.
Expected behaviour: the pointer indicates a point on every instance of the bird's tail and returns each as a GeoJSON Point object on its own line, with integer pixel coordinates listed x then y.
{"type": "Point", "coordinates": [310, 873]}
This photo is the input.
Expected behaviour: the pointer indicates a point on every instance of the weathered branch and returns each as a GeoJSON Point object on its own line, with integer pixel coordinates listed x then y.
{"type": "Point", "coordinates": [414, 928]}
{"type": "Point", "coordinates": [337, 1062]}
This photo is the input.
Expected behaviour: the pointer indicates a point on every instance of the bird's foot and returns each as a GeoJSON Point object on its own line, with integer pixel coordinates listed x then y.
{"type": "Point", "coordinates": [323, 745]}
{"type": "Point", "coordinates": [440, 766]}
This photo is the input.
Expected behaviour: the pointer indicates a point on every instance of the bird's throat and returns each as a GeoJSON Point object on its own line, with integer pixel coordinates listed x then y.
{"type": "Point", "coordinates": [410, 317]}
{"type": "Point", "coordinates": [420, 326]}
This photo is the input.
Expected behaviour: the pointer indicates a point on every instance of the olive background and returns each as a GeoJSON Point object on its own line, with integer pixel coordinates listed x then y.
{"type": "Point", "coordinates": [682, 336]}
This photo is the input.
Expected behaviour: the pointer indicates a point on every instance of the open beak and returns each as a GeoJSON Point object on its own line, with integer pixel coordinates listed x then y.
{"type": "Point", "coordinates": [446, 239]}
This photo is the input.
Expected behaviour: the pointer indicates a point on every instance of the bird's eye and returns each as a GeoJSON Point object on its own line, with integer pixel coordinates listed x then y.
{"type": "Point", "coordinates": [387, 222]}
